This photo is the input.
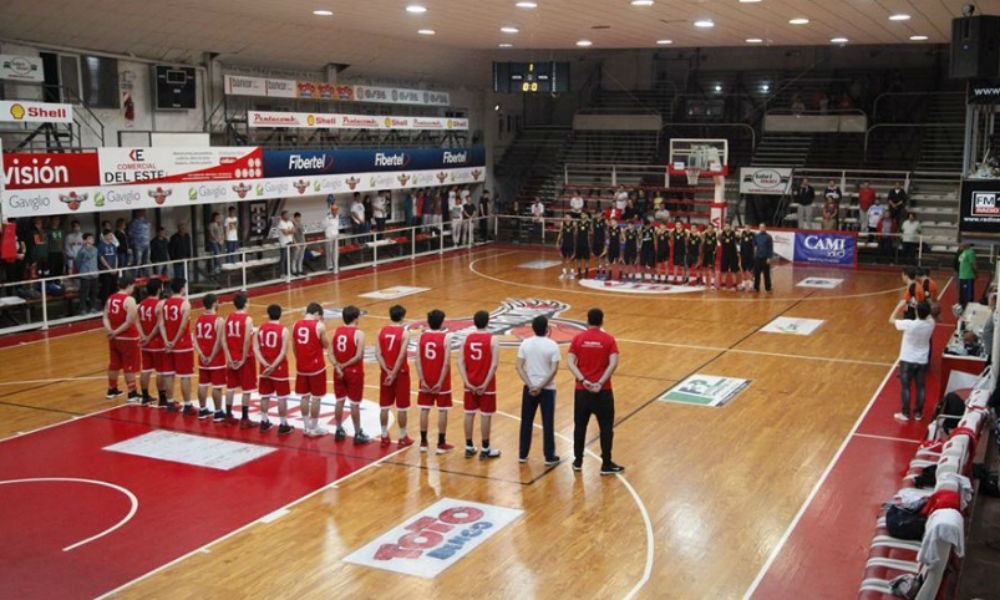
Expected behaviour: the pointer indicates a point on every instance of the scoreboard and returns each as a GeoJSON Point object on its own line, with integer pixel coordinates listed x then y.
{"type": "Point", "coordinates": [530, 77]}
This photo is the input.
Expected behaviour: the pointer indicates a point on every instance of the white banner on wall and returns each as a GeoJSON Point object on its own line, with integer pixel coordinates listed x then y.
{"type": "Point", "coordinates": [272, 87]}
{"type": "Point", "coordinates": [784, 244]}
{"type": "Point", "coordinates": [20, 111]}
{"type": "Point", "coordinates": [773, 181]}
{"type": "Point", "coordinates": [161, 165]}
{"type": "Point", "coordinates": [298, 120]}
{"type": "Point", "coordinates": [14, 67]}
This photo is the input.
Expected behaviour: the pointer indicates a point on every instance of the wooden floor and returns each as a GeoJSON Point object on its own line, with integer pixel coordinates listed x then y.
{"type": "Point", "coordinates": [707, 495]}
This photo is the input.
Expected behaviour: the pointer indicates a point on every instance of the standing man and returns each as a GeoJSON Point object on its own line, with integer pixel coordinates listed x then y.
{"type": "Point", "coordinates": [214, 237]}
{"type": "Point", "coordinates": [347, 353]}
{"type": "Point", "coordinates": [468, 217]}
{"type": "Point", "coordinates": [897, 202]}
{"type": "Point", "coordinates": [241, 366]}
{"type": "Point", "coordinates": [57, 254]}
{"type": "Point", "coordinates": [232, 227]}
{"type": "Point", "coordinates": [211, 359]}
{"type": "Point", "coordinates": [286, 230]}
{"type": "Point", "coordinates": [576, 205]}
{"type": "Point", "coordinates": [537, 364]}
{"type": "Point", "coordinates": [357, 215]}
{"type": "Point", "coordinates": [914, 356]}
{"type": "Point", "coordinates": [299, 236]}
{"type": "Point", "coordinates": [72, 245]}
{"type": "Point", "coordinates": [107, 262]}
{"type": "Point", "coordinates": [159, 251]}
{"type": "Point", "coordinates": [270, 346]}
{"type": "Point", "coordinates": [911, 235]}
{"type": "Point", "coordinates": [309, 337]}
{"type": "Point", "coordinates": [966, 274]}
{"type": "Point", "coordinates": [178, 354]}
{"type": "Point", "coordinates": [380, 211]}
{"type": "Point", "coordinates": [484, 213]}
{"type": "Point", "coordinates": [140, 233]}
{"type": "Point", "coordinates": [180, 248]}
{"type": "Point", "coordinates": [477, 364]}
{"type": "Point", "coordinates": [763, 252]}
{"type": "Point", "coordinates": [455, 211]}
{"type": "Point", "coordinates": [86, 267]}
{"type": "Point", "coordinates": [150, 342]}
{"type": "Point", "coordinates": [593, 358]}
{"type": "Point", "coordinates": [434, 376]}
{"type": "Point", "coordinates": [804, 197]}
{"type": "Point", "coordinates": [538, 216]}
{"type": "Point", "coordinates": [331, 230]}
{"type": "Point", "coordinates": [394, 383]}
{"type": "Point", "coordinates": [866, 198]}
{"type": "Point", "coordinates": [123, 339]}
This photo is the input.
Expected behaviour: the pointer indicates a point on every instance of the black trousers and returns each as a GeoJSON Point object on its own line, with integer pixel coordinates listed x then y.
{"type": "Point", "coordinates": [761, 266]}
{"type": "Point", "coordinates": [546, 400]}
{"type": "Point", "coordinates": [601, 404]}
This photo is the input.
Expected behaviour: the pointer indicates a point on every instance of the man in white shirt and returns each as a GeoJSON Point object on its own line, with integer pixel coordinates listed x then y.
{"type": "Point", "coordinates": [357, 215]}
{"type": "Point", "coordinates": [72, 245]}
{"type": "Point", "coordinates": [576, 205]}
{"type": "Point", "coordinates": [538, 216]}
{"type": "Point", "coordinates": [914, 356]}
{"type": "Point", "coordinates": [380, 211]}
{"type": "Point", "coordinates": [455, 210]}
{"type": "Point", "coordinates": [537, 364]}
{"type": "Point", "coordinates": [910, 229]}
{"type": "Point", "coordinates": [621, 199]}
{"type": "Point", "coordinates": [232, 229]}
{"type": "Point", "coordinates": [331, 229]}
{"type": "Point", "coordinates": [286, 229]}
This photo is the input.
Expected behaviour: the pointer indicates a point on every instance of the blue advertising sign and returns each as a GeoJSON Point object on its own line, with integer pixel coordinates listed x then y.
{"type": "Point", "coordinates": [296, 163]}
{"type": "Point", "coordinates": [824, 248]}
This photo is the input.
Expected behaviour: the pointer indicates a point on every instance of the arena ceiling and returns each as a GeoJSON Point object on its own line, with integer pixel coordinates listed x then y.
{"type": "Point", "coordinates": [381, 37]}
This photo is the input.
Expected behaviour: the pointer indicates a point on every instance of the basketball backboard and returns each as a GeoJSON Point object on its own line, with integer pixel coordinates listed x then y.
{"type": "Point", "coordinates": [710, 156]}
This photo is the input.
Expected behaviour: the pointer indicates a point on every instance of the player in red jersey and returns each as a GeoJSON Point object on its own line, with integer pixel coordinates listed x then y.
{"type": "Point", "coordinates": [150, 342]}
{"type": "Point", "coordinates": [123, 338]}
{"type": "Point", "coordinates": [347, 352]}
{"type": "Point", "coordinates": [434, 375]}
{"type": "Point", "coordinates": [270, 345]}
{"type": "Point", "coordinates": [178, 354]}
{"type": "Point", "coordinates": [211, 359]}
{"type": "Point", "coordinates": [309, 337]}
{"type": "Point", "coordinates": [241, 366]}
{"type": "Point", "coordinates": [394, 383]}
{"type": "Point", "coordinates": [477, 364]}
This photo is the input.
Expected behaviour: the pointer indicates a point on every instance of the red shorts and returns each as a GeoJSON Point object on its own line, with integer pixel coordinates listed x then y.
{"type": "Point", "coordinates": [397, 394]}
{"type": "Point", "coordinates": [314, 384]}
{"type": "Point", "coordinates": [244, 378]}
{"type": "Point", "coordinates": [151, 360]}
{"type": "Point", "coordinates": [274, 387]}
{"type": "Point", "coordinates": [178, 362]}
{"type": "Point", "coordinates": [427, 399]}
{"type": "Point", "coordinates": [213, 376]}
{"type": "Point", "coordinates": [485, 404]}
{"type": "Point", "coordinates": [124, 355]}
{"type": "Point", "coordinates": [351, 385]}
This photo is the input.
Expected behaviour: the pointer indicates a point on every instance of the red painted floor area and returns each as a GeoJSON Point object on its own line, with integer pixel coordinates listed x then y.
{"type": "Point", "coordinates": [180, 507]}
{"type": "Point", "coordinates": [825, 553]}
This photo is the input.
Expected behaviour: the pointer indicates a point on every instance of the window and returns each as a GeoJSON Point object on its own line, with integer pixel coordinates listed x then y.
{"type": "Point", "coordinates": [100, 81]}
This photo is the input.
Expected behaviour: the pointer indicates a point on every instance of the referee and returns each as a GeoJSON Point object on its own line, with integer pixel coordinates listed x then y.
{"type": "Point", "coordinates": [593, 358]}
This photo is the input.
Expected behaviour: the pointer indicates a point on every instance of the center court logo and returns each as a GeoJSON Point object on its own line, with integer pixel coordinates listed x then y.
{"type": "Point", "coordinates": [638, 287]}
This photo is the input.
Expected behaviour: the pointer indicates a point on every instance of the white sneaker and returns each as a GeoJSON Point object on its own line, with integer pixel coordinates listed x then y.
{"type": "Point", "coordinates": [901, 417]}
{"type": "Point", "coordinates": [562, 276]}
{"type": "Point", "coordinates": [317, 431]}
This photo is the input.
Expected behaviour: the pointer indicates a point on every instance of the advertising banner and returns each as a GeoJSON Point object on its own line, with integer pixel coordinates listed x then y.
{"type": "Point", "coordinates": [20, 111]}
{"type": "Point", "coordinates": [983, 91]}
{"type": "Point", "coordinates": [826, 248]}
{"type": "Point", "coordinates": [21, 68]}
{"type": "Point", "coordinates": [268, 87]}
{"type": "Point", "coordinates": [44, 170]}
{"type": "Point", "coordinates": [283, 163]}
{"type": "Point", "coordinates": [979, 210]}
{"type": "Point", "coordinates": [297, 120]}
{"type": "Point", "coordinates": [770, 181]}
{"type": "Point", "coordinates": [784, 244]}
{"type": "Point", "coordinates": [705, 390]}
{"type": "Point", "coordinates": [246, 85]}
{"type": "Point", "coordinates": [120, 166]}
{"type": "Point", "coordinates": [391, 95]}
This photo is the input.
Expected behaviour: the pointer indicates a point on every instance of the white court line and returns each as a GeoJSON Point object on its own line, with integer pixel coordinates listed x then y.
{"type": "Point", "coordinates": [132, 509]}
{"type": "Point", "coordinates": [70, 419]}
{"type": "Point", "coordinates": [887, 438]}
{"type": "Point", "coordinates": [759, 352]}
{"type": "Point", "coordinates": [53, 380]}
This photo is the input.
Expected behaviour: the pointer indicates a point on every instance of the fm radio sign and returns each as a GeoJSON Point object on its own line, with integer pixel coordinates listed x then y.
{"type": "Point", "coordinates": [984, 204]}
{"type": "Point", "coordinates": [435, 538]}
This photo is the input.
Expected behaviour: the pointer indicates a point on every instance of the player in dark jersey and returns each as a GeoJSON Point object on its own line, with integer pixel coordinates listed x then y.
{"type": "Point", "coordinates": [582, 246]}
{"type": "Point", "coordinates": [647, 250]}
{"type": "Point", "coordinates": [477, 364]}
{"type": "Point", "coordinates": [630, 239]}
{"type": "Point", "coordinates": [710, 244]}
{"type": "Point", "coordinates": [565, 240]}
{"type": "Point", "coordinates": [693, 256]}
{"type": "Point", "coordinates": [678, 249]}
{"type": "Point", "coordinates": [614, 248]}
{"type": "Point", "coordinates": [662, 252]}
{"type": "Point", "coordinates": [746, 257]}
{"type": "Point", "coordinates": [730, 265]}
{"type": "Point", "coordinates": [599, 245]}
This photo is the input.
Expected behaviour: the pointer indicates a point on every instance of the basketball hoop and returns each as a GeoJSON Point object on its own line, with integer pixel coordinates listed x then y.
{"type": "Point", "coordinates": [693, 174]}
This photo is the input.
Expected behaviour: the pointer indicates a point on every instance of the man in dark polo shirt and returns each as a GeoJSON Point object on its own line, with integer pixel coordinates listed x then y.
{"type": "Point", "coordinates": [593, 358]}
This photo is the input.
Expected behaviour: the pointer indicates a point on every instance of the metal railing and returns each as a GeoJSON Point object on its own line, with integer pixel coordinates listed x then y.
{"type": "Point", "coordinates": [58, 300]}
{"type": "Point", "coordinates": [916, 95]}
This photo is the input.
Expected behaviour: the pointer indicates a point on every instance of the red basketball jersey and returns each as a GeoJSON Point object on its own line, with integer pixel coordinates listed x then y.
{"type": "Point", "coordinates": [431, 356]}
{"type": "Point", "coordinates": [172, 313]}
{"type": "Point", "coordinates": [235, 329]}
{"type": "Point", "coordinates": [308, 348]}
{"type": "Point", "coordinates": [206, 332]}
{"type": "Point", "coordinates": [478, 353]}
{"type": "Point", "coordinates": [344, 344]}
{"type": "Point", "coordinates": [390, 343]}
{"type": "Point", "coordinates": [269, 339]}
{"type": "Point", "coordinates": [117, 314]}
{"type": "Point", "coordinates": [148, 321]}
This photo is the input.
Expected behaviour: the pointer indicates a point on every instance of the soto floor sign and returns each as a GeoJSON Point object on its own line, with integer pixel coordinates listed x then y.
{"type": "Point", "coordinates": [705, 390]}
{"type": "Point", "coordinates": [792, 326]}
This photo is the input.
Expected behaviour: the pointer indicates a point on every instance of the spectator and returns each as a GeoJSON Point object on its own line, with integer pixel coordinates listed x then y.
{"type": "Point", "coordinates": [874, 215]}
{"type": "Point", "coordinates": [140, 234]}
{"type": "Point", "coordinates": [866, 198]}
{"type": "Point", "coordinates": [988, 329]}
{"type": "Point", "coordinates": [832, 193]}
{"type": "Point", "coordinates": [831, 214]}
{"type": "Point", "coordinates": [380, 211]}
{"type": "Point", "coordinates": [72, 245]}
{"type": "Point", "coordinates": [763, 252]}
{"type": "Point", "coordinates": [38, 250]}
{"type": "Point", "coordinates": [897, 202]}
{"type": "Point", "coordinates": [369, 212]}
{"type": "Point", "coordinates": [911, 236]}
{"type": "Point", "coordinates": [660, 213]}
{"type": "Point", "coordinates": [427, 209]}
{"type": "Point", "coordinates": [452, 201]}
{"type": "Point", "coordinates": [576, 205]}
{"type": "Point", "coordinates": [299, 237]}
{"type": "Point", "coordinates": [16, 271]}
{"type": "Point", "coordinates": [357, 215]}
{"type": "Point", "coordinates": [408, 208]}
{"type": "Point", "coordinates": [484, 213]}
{"type": "Point", "coordinates": [232, 227]}
{"type": "Point", "coordinates": [107, 262]}
{"type": "Point", "coordinates": [914, 355]}
{"type": "Point", "coordinates": [886, 229]}
{"type": "Point", "coordinates": [537, 364]}
{"type": "Point", "coordinates": [804, 197]}
{"type": "Point", "coordinates": [214, 238]}
{"type": "Point", "coordinates": [56, 243]}
{"type": "Point", "coordinates": [538, 216]}
{"type": "Point", "coordinates": [966, 274]}
{"type": "Point", "coordinates": [180, 248]}
{"type": "Point", "coordinates": [455, 210]}
{"type": "Point", "coordinates": [798, 106]}
{"type": "Point", "coordinates": [630, 213]}
{"type": "Point", "coordinates": [286, 233]}
{"type": "Point", "coordinates": [159, 251]}
{"type": "Point", "coordinates": [331, 230]}
{"type": "Point", "coordinates": [85, 261]}
{"type": "Point", "coordinates": [468, 218]}
{"type": "Point", "coordinates": [621, 199]}
{"type": "Point", "coordinates": [641, 203]}
{"type": "Point", "coordinates": [121, 236]}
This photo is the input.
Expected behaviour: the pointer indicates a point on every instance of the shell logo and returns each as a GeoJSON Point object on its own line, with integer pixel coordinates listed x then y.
{"type": "Point", "coordinates": [17, 111]}
{"type": "Point", "coordinates": [311, 120]}
{"type": "Point", "coordinates": [388, 121]}
{"type": "Point", "coordinates": [449, 124]}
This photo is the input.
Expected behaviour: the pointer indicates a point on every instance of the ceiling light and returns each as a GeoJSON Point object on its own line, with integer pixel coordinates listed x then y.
{"type": "Point", "coordinates": [425, 31]}
{"type": "Point", "coordinates": [918, 38]}
{"type": "Point", "coordinates": [664, 42]}
{"type": "Point", "coordinates": [642, 2]}
{"type": "Point", "coordinates": [754, 40]}
{"type": "Point", "coordinates": [704, 23]}
{"type": "Point", "coordinates": [764, 87]}
{"type": "Point", "coordinates": [416, 9]}
{"type": "Point", "coordinates": [506, 45]}
{"type": "Point", "coordinates": [899, 17]}
{"type": "Point", "coordinates": [798, 21]}
{"type": "Point", "coordinates": [718, 88]}
{"type": "Point", "coordinates": [527, 5]}
{"type": "Point", "coordinates": [584, 43]}
{"type": "Point", "coordinates": [748, 1]}
{"type": "Point", "coordinates": [508, 29]}
{"type": "Point", "coordinates": [323, 13]}
{"type": "Point", "coordinates": [838, 40]}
